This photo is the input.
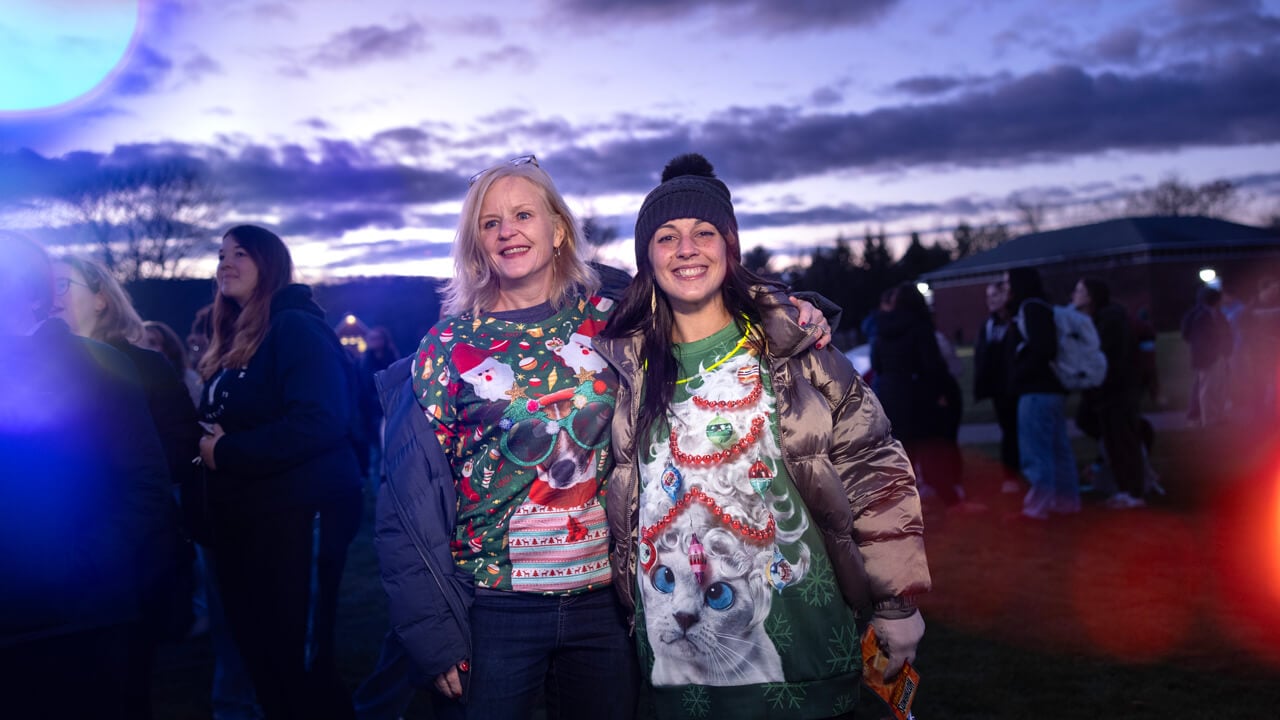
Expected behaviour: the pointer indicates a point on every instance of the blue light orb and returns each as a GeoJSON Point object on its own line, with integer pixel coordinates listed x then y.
{"type": "Point", "coordinates": [53, 52]}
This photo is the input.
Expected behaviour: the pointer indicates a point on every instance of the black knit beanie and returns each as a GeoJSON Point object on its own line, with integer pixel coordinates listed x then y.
{"type": "Point", "coordinates": [689, 189]}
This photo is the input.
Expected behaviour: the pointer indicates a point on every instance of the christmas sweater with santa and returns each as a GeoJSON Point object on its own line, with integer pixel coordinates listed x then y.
{"type": "Point", "coordinates": [522, 406]}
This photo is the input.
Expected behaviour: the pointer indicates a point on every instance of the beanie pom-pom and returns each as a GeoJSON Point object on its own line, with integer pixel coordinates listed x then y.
{"type": "Point", "coordinates": [688, 164]}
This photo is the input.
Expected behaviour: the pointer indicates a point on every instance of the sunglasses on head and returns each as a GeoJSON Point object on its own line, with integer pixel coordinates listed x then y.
{"type": "Point", "coordinates": [513, 162]}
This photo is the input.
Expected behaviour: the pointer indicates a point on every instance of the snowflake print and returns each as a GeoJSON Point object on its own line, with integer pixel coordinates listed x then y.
{"type": "Point", "coordinates": [819, 587]}
{"type": "Point", "coordinates": [784, 695]}
{"type": "Point", "coordinates": [844, 650]}
{"type": "Point", "coordinates": [779, 630]}
{"type": "Point", "coordinates": [695, 701]}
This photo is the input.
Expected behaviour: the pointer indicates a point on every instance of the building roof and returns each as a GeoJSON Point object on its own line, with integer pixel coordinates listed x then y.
{"type": "Point", "coordinates": [1113, 237]}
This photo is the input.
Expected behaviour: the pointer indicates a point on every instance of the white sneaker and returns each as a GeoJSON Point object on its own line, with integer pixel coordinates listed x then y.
{"type": "Point", "coordinates": [1123, 501]}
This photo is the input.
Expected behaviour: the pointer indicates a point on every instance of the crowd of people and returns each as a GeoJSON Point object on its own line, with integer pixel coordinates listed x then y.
{"type": "Point", "coordinates": [680, 486]}
{"type": "Point", "coordinates": [671, 487]}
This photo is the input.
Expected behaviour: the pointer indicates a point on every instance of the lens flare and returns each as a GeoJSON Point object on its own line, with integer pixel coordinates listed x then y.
{"type": "Point", "coordinates": [1248, 536]}
{"type": "Point", "coordinates": [56, 52]}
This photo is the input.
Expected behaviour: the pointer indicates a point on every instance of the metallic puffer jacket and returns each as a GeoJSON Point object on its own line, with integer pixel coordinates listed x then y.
{"type": "Point", "coordinates": [854, 478]}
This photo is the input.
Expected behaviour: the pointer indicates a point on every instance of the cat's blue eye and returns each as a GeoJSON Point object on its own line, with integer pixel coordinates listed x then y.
{"type": "Point", "coordinates": [664, 580]}
{"type": "Point", "coordinates": [719, 596]}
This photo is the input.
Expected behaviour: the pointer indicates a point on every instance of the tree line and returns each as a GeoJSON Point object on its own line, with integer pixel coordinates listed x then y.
{"type": "Point", "coordinates": [149, 221]}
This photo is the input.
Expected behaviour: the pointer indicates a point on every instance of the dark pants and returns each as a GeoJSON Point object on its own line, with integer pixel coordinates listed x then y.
{"type": "Point", "coordinates": [70, 677]}
{"type": "Point", "coordinates": [1120, 427]}
{"type": "Point", "coordinates": [573, 649]}
{"type": "Point", "coordinates": [1006, 407]}
{"type": "Point", "coordinates": [279, 575]}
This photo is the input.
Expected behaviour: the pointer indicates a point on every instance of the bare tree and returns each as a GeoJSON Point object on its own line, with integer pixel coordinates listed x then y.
{"type": "Point", "coordinates": [1030, 214]}
{"type": "Point", "coordinates": [597, 234]}
{"type": "Point", "coordinates": [1175, 197]}
{"type": "Point", "coordinates": [970, 240]}
{"type": "Point", "coordinates": [146, 220]}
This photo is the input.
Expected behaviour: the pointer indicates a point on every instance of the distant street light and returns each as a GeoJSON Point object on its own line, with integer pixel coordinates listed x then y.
{"type": "Point", "coordinates": [1208, 275]}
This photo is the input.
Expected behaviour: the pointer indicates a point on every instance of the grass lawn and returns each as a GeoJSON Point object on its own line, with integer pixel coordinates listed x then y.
{"type": "Point", "coordinates": [1167, 612]}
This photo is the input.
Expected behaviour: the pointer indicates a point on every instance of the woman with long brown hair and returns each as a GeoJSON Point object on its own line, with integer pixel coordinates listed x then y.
{"type": "Point", "coordinates": [283, 484]}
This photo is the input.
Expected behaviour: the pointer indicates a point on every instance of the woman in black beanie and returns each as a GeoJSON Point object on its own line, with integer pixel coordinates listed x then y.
{"type": "Point", "coordinates": [759, 504]}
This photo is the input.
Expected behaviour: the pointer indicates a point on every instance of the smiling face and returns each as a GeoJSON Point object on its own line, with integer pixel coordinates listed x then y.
{"type": "Point", "coordinates": [689, 258]}
{"type": "Point", "coordinates": [74, 301]}
{"type": "Point", "coordinates": [237, 272]}
{"type": "Point", "coordinates": [519, 235]}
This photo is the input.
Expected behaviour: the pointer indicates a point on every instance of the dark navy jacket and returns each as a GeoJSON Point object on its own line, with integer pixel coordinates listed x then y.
{"type": "Point", "coordinates": [429, 598]}
{"type": "Point", "coordinates": [288, 416]}
{"type": "Point", "coordinates": [84, 490]}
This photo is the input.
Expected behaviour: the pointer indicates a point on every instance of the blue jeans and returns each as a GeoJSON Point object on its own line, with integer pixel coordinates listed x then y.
{"type": "Point", "coordinates": [1045, 453]}
{"type": "Point", "coordinates": [575, 649]}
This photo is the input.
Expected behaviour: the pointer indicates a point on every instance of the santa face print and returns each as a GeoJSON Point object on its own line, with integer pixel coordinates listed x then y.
{"type": "Point", "coordinates": [689, 264]}
{"type": "Point", "coordinates": [519, 235]}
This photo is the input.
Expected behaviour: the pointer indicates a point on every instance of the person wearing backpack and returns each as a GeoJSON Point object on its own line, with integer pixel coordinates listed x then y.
{"type": "Point", "coordinates": [1044, 451]}
{"type": "Point", "coordinates": [1110, 412]}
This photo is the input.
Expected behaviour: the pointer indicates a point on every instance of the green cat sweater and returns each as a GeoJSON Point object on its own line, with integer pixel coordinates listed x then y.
{"type": "Point", "coordinates": [738, 612]}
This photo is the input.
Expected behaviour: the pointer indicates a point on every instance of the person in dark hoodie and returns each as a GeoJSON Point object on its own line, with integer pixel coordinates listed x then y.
{"type": "Point", "coordinates": [1111, 412]}
{"type": "Point", "coordinates": [84, 492]}
{"type": "Point", "coordinates": [283, 484]}
{"type": "Point", "coordinates": [920, 395]}
{"type": "Point", "coordinates": [1043, 447]}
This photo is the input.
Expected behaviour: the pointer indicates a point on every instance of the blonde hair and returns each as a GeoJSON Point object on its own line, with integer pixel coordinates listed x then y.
{"type": "Point", "coordinates": [474, 286]}
{"type": "Point", "coordinates": [118, 322]}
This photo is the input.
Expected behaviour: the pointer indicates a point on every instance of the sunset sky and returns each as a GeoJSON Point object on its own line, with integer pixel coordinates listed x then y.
{"type": "Point", "coordinates": [352, 127]}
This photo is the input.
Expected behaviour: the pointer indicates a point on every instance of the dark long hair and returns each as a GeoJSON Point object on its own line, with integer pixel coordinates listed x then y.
{"type": "Point", "coordinates": [1024, 284]}
{"type": "Point", "coordinates": [238, 331]}
{"type": "Point", "coordinates": [1099, 292]}
{"type": "Point", "coordinates": [646, 312]}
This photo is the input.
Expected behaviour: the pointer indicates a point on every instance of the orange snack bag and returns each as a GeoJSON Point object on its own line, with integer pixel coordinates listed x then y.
{"type": "Point", "coordinates": [902, 692]}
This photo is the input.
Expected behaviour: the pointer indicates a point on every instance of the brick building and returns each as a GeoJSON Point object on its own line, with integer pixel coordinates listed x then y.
{"type": "Point", "coordinates": [1150, 262]}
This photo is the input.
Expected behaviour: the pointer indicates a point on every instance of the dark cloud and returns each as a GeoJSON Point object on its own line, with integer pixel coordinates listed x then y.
{"type": "Point", "coordinates": [1200, 8]}
{"type": "Point", "coordinates": [262, 178]}
{"type": "Point", "coordinates": [385, 252]}
{"type": "Point", "coordinates": [512, 56]}
{"type": "Point", "coordinates": [370, 43]}
{"type": "Point", "coordinates": [1122, 45]}
{"type": "Point", "coordinates": [741, 16]}
{"type": "Point", "coordinates": [144, 72]}
{"type": "Point", "coordinates": [1058, 114]}
{"type": "Point", "coordinates": [1055, 114]}
{"type": "Point", "coordinates": [274, 11]}
{"type": "Point", "coordinates": [826, 97]}
{"type": "Point", "coordinates": [254, 179]}
{"type": "Point", "coordinates": [335, 223]}
{"type": "Point", "coordinates": [927, 85]}
{"type": "Point", "coordinates": [199, 66]}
